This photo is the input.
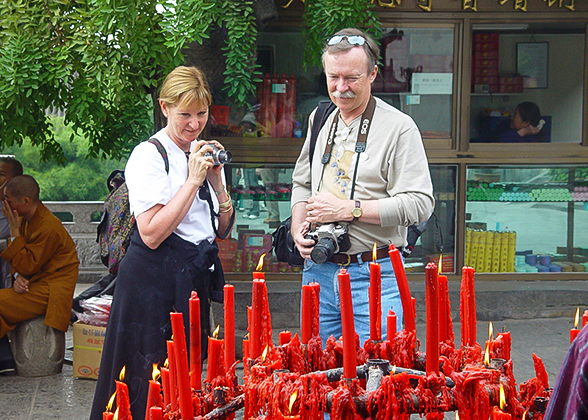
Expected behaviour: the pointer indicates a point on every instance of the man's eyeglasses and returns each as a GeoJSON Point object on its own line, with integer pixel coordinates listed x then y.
{"type": "Point", "coordinates": [352, 39]}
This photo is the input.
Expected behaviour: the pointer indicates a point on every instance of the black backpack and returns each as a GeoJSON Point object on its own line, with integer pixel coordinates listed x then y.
{"type": "Point", "coordinates": [118, 223]}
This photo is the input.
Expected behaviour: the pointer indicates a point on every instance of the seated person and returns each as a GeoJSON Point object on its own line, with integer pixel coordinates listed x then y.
{"type": "Point", "coordinates": [44, 264]}
{"type": "Point", "coordinates": [524, 127]}
{"type": "Point", "coordinates": [9, 168]}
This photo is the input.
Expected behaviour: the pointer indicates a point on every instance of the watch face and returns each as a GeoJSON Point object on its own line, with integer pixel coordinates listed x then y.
{"type": "Point", "coordinates": [356, 212]}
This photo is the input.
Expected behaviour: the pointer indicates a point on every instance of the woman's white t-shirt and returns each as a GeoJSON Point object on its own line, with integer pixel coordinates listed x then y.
{"type": "Point", "coordinates": [149, 184]}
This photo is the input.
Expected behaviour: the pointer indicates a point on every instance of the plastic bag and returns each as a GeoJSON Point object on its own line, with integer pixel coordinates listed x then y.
{"type": "Point", "coordinates": [96, 310]}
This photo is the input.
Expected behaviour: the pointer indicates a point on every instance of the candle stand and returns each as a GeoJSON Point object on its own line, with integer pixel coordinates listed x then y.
{"type": "Point", "coordinates": [391, 378]}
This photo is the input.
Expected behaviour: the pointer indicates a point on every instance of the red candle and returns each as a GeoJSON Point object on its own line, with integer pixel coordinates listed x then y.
{"type": "Point", "coordinates": [472, 306]}
{"type": "Point", "coordinates": [391, 324]}
{"type": "Point", "coordinates": [407, 307]}
{"type": "Point", "coordinates": [107, 415]}
{"type": "Point", "coordinates": [498, 414]}
{"type": "Point", "coordinates": [285, 337]}
{"type": "Point", "coordinates": [585, 318]}
{"type": "Point", "coordinates": [166, 386]}
{"type": "Point", "coordinates": [229, 303]}
{"type": "Point", "coordinates": [505, 341]}
{"type": "Point", "coordinates": [173, 377]}
{"type": "Point", "coordinates": [306, 314]}
{"type": "Point", "coordinates": [316, 296]}
{"type": "Point", "coordinates": [183, 375]}
{"type": "Point", "coordinates": [155, 413]}
{"type": "Point", "coordinates": [255, 325]}
{"type": "Point", "coordinates": [195, 343]}
{"type": "Point", "coordinates": [432, 298]}
{"type": "Point", "coordinates": [216, 365]}
{"type": "Point", "coordinates": [443, 324]}
{"type": "Point", "coordinates": [347, 324]}
{"type": "Point", "coordinates": [375, 298]}
{"type": "Point", "coordinates": [573, 333]}
{"type": "Point", "coordinates": [154, 393]}
{"type": "Point", "coordinates": [123, 405]}
{"type": "Point", "coordinates": [245, 349]}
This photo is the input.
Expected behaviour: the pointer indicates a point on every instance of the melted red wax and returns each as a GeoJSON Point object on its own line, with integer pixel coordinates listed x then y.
{"type": "Point", "coordinates": [314, 355]}
{"type": "Point", "coordinates": [540, 371]}
{"type": "Point", "coordinates": [401, 351]}
{"type": "Point", "coordinates": [513, 407]}
{"type": "Point", "coordinates": [343, 406]}
{"type": "Point", "coordinates": [470, 392]}
{"type": "Point", "coordinates": [501, 346]}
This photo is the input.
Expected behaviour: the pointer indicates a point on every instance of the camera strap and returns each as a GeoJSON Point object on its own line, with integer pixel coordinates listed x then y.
{"type": "Point", "coordinates": [360, 144]}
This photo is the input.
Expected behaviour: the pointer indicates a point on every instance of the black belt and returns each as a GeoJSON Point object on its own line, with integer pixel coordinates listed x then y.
{"type": "Point", "coordinates": [346, 259]}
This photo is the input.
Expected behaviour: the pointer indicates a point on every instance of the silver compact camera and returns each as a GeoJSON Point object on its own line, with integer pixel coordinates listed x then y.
{"type": "Point", "coordinates": [219, 156]}
{"type": "Point", "coordinates": [329, 239]}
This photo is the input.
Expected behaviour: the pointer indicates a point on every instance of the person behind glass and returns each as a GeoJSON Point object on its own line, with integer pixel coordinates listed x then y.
{"type": "Point", "coordinates": [392, 189]}
{"type": "Point", "coordinates": [525, 126]}
{"type": "Point", "coordinates": [9, 168]}
{"type": "Point", "coordinates": [173, 250]}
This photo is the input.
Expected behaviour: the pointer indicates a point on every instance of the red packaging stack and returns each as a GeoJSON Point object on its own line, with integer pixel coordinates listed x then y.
{"type": "Point", "coordinates": [510, 83]}
{"type": "Point", "coordinates": [485, 63]}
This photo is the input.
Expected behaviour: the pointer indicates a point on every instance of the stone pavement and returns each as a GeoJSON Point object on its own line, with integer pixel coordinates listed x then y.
{"type": "Point", "coordinates": [63, 397]}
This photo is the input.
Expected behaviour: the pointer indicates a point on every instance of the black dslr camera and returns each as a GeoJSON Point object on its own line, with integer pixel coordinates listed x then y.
{"type": "Point", "coordinates": [329, 239]}
{"type": "Point", "coordinates": [219, 156]}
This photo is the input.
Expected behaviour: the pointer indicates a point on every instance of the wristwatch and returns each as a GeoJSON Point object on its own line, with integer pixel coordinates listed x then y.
{"type": "Point", "coordinates": [356, 212]}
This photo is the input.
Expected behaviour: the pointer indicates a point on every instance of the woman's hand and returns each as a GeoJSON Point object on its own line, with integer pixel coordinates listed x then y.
{"type": "Point", "coordinates": [199, 164]}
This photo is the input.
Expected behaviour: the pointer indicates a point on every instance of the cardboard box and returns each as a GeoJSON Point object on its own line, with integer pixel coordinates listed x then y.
{"type": "Point", "coordinates": [87, 341]}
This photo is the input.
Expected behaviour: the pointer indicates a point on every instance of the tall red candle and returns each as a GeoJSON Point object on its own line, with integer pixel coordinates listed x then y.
{"type": "Point", "coordinates": [407, 307]}
{"type": "Point", "coordinates": [375, 299]}
{"type": "Point", "coordinates": [443, 324]}
{"type": "Point", "coordinates": [347, 324]}
{"type": "Point", "coordinates": [154, 392]}
{"type": "Point", "coordinates": [155, 413]}
{"type": "Point", "coordinates": [256, 313]}
{"type": "Point", "coordinates": [391, 324]}
{"type": "Point", "coordinates": [306, 314]}
{"type": "Point", "coordinates": [315, 311]}
{"type": "Point", "coordinates": [216, 364]}
{"type": "Point", "coordinates": [195, 343]}
{"type": "Point", "coordinates": [173, 377]}
{"type": "Point", "coordinates": [183, 375]}
{"type": "Point", "coordinates": [229, 312]}
{"type": "Point", "coordinates": [432, 303]}
{"type": "Point", "coordinates": [123, 404]}
{"type": "Point", "coordinates": [472, 306]}
{"type": "Point", "coordinates": [463, 306]}
{"type": "Point", "coordinates": [166, 386]}
{"type": "Point", "coordinates": [285, 337]}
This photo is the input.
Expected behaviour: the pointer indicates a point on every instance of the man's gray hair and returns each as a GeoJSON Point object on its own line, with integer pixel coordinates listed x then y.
{"type": "Point", "coordinates": [370, 47]}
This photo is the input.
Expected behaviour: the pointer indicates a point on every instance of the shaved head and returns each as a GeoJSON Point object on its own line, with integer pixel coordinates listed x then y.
{"type": "Point", "coordinates": [23, 186]}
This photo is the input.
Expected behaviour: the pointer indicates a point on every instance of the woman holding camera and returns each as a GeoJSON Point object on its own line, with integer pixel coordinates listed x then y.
{"type": "Point", "coordinates": [178, 196]}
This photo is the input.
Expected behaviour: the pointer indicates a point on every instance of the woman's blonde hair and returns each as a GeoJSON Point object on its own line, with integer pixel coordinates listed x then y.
{"type": "Point", "coordinates": [185, 85]}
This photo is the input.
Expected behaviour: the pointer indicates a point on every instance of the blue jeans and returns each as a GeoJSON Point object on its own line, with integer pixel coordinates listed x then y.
{"type": "Point", "coordinates": [359, 273]}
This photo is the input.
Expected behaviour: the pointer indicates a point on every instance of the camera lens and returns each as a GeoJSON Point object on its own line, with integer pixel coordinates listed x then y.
{"type": "Point", "coordinates": [224, 156]}
{"type": "Point", "coordinates": [323, 251]}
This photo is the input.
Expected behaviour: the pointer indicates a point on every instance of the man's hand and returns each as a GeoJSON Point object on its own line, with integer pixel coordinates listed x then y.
{"type": "Point", "coordinates": [326, 208]}
{"type": "Point", "coordinates": [13, 219]}
{"type": "Point", "coordinates": [300, 229]}
{"type": "Point", "coordinates": [21, 284]}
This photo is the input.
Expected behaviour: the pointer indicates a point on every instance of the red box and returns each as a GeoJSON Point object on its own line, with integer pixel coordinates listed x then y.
{"type": "Point", "coordinates": [486, 38]}
{"type": "Point", "coordinates": [510, 84]}
{"type": "Point", "coordinates": [486, 55]}
{"type": "Point", "coordinates": [485, 80]}
{"type": "Point", "coordinates": [486, 71]}
{"type": "Point", "coordinates": [219, 114]}
{"type": "Point", "coordinates": [478, 64]}
{"type": "Point", "coordinates": [486, 46]}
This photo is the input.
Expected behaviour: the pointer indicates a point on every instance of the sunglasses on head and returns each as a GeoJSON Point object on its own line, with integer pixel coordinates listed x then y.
{"type": "Point", "coordinates": [352, 39]}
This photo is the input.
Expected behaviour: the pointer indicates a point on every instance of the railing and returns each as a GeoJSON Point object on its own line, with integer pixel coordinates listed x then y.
{"type": "Point", "coordinates": [81, 219]}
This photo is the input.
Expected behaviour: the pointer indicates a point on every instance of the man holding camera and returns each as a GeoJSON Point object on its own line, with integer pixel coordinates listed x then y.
{"type": "Point", "coordinates": [367, 182]}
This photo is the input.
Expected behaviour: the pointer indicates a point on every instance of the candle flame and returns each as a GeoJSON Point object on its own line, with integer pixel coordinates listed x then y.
{"type": "Point", "coordinates": [490, 331]}
{"type": "Point", "coordinates": [246, 337]}
{"type": "Point", "coordinates": [502, 398]}
{"type": "Point", "coordinates": [393, 372]}
{"type": "Point", "coordinates": [440, 259]}
{"type": "Point", "coordinates": [110, 402]}
{"type": "Point", "coordinates": [166, 363]}
{"type": "Point", "coordinates": [577, 319]}
{"type": "Point", "coordinates": [374, 255]}
{"type": "Point", "coordinates": [116, 414]}
{"type": "Point", "coordinates": [122, 374]}
{"type": "Point", "coordinates": [156, 373]}
{"type": "Point", "coordinates": [456, 416]}
{"type": "Point", "coordinates": [260, 263]}
{"type": "Point", "coordinates": [487, 355]}
{"type": "Point", "coordinates": [292, 401]}
{"type": "Point", "coordinates": [215, 333]}
{"type": "Point", "coordinates": [524, 415]}
{"type": "Point", "coordinates": [264, 354]}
